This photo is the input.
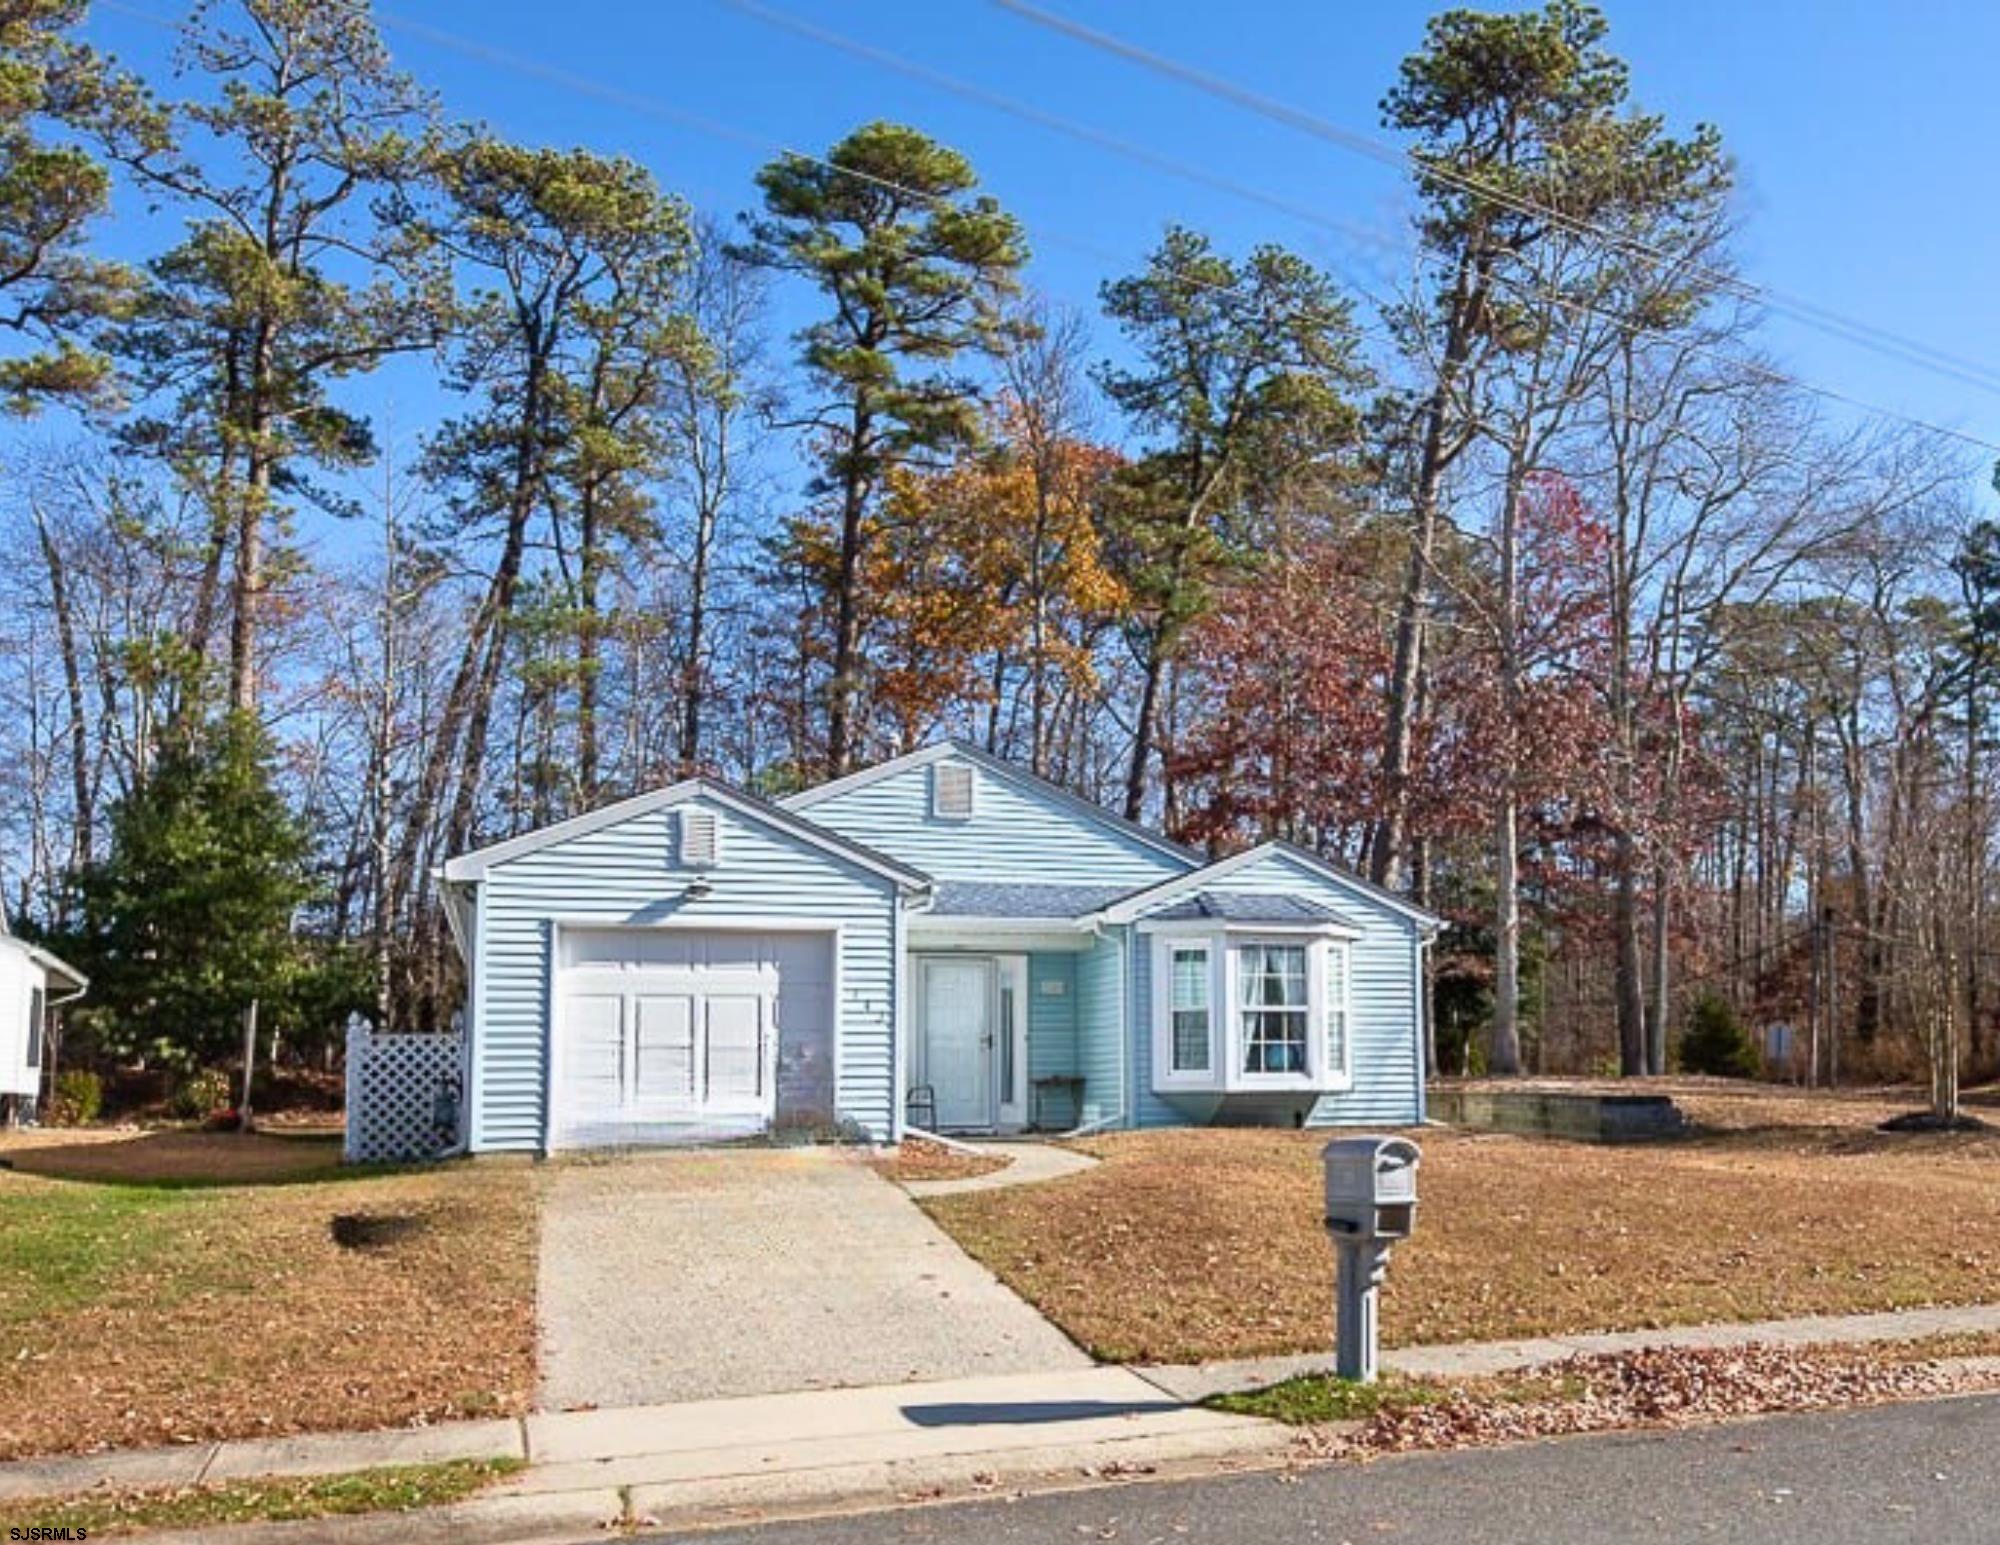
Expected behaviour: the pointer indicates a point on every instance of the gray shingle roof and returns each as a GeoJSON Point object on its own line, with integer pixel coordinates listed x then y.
{"type": "Point", "coordinates": [1245, 907]}
{"type": "Point", "coordinates": [978, 898]}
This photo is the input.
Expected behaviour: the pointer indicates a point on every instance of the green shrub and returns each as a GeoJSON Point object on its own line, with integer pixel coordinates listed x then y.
{"type": "Point", "coordinates": [1716, 1043]}
{"type": "Point", "coordinates": [201, 1094]}
{"type": "Point", "coordinates": [76, 1100]}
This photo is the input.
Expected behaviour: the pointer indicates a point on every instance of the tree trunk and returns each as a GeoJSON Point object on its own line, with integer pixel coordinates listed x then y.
{"type": "Point", "coordinates": [1153, 667]}
{"type": "Point", "coordinates": [1629, 972]}
{"type": "Point", "coordinates": [83, 815]}
{"type": "Point", "coordinates": [1503, 1057]}
{"type": "Point", "coordinates": [841, 688]}
{"type": "Point", "coordinates": [1438, 450]}
{"type": "Point", "coordinates": [247, 587]}
{"type": "Point", "coordinates": [590, 559]}
{"type": "Point", "coordinates": [1656, 1014]}
{"type": "Point", "coordinates": [694, 683]}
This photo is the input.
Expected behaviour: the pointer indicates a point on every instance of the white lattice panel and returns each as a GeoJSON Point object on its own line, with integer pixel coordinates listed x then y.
{"type": "Point", "coordinates": [403, 1094]}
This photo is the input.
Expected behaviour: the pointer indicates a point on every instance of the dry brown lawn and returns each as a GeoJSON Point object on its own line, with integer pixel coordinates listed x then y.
{"type": "Point", "coordinates": [166, 1287]}
{"type": "Point", "coordinates": [1197, 1244]}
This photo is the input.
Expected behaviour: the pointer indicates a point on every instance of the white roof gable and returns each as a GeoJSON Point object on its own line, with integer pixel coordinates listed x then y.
{"type": "Point", "coordinates": [473, 866]}
{"type": "Point", "coordinates": [1139, 903]}
{"type": "Point", "coordinates": [998, 767]}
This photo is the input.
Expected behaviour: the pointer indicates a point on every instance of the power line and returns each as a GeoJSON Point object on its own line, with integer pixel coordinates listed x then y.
{"type": "Point", "coordinates": [888, 60]}
{"type": "Point", "coordinates": [647, 104]}
{"type": "Point", "coordinates": [1812, 313]}
{"type": "Point", "coordinates": [1373, 237]}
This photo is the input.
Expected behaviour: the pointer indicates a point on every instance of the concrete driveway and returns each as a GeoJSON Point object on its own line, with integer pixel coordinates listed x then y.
{"type": "Point", "coordinates": [691, 1276]}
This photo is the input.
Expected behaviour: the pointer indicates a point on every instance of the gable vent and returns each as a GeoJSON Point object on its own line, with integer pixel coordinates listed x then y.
{"type": "Point", "coordinates": [951, 791]}
{"type": "Point", "coordinates": [701, 839]}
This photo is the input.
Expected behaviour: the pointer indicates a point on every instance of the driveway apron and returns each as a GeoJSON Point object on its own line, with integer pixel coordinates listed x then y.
{"type": "Point", "coordinates": [692, 1276]}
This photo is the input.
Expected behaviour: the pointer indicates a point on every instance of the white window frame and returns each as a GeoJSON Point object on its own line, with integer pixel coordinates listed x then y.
{"type": "Point", "coordinates": [1224, 944]}
{"type": "Point", "coordinates": [1339, 1072]}
{"type": "Point", "coordinates": [1309, 1012]}
{"type": "Point", "coordinates": [1166, 1073]}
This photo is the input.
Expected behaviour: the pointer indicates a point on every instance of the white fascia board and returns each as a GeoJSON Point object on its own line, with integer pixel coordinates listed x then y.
{"type": "Point", "coordinates": [1131, 908]}
{"type": "Point", "coordinates": [1136, 905]}
{"type": "Point", "coordinates": [1002, 769]}
{"type": "Point", "coordinates": [1327, 929]}
{"type": "Point", "coordinates": [968, 923]}
{"type": "Point", "coordinates": [469, 867]}
{"type": "Point", "coordinates": [805, 799]}
{"type": "Point", "coordinates": [473, 866]}
{"type": "Point", "coordinates": [51, 965]}
{"type": "Point", "coordinates": [456, 896]}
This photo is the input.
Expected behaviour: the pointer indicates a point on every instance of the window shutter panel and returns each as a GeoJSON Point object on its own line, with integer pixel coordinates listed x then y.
{"type": "Point", "coordinates": [951, 791]}
{"type": "Point", "coordinates": [701, 839]}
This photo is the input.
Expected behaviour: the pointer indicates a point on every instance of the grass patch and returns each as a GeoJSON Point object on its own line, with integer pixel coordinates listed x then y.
{"type": "Point", "coordinates": [1317, 1399]}
{"type": "Point", "coordinates": [1196, 1244]}
{"type": "Point", "coordinates": [163, 1302]}
{"type": "Point", "coordinates": [61, 1247]}
{"type": "Point", "coordinates": [400, 1489]}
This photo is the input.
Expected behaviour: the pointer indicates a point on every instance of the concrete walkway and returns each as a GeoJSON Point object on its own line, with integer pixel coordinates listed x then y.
{"type": "Point", "coordinates": [706, 1275]}
{"type": "Point", "coordinates": [1479, 1359]}
{"type": "Point", "coordinates": [1032, 1164]}
{"type": "Point", "coordinates": [826, 1437]}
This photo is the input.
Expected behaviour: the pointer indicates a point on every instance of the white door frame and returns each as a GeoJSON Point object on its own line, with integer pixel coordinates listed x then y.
{"type": "Point", "coordinates": [1008, 970]}
{"type": "Point", "coordinates": [556, 972]}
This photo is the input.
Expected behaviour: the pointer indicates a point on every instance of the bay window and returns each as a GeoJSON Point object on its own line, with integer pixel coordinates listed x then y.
{"type": "Point", "coordinates": [1249, 1008]}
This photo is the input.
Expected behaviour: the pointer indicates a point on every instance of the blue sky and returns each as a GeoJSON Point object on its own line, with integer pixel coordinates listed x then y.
{"type": "Point", "coordinates": [1862, 131]}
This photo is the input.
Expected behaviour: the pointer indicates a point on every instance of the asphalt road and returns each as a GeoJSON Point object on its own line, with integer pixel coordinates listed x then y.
{"type": "Point", "coordinates": [1928, 1471]}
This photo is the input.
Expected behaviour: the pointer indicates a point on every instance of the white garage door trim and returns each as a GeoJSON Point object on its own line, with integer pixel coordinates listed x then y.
{"type": "Point", "coordinates": [833, 933]}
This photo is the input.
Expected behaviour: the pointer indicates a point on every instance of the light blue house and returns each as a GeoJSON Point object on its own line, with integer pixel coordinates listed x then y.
{"type": "Point", "coordinates": [942, 942]}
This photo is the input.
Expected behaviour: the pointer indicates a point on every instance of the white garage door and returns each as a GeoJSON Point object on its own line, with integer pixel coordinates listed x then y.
{"type": "Point", "coordinates": [667, 1034]}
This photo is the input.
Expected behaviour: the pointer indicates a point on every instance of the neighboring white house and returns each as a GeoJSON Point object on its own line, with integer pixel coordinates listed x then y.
{"type": "Point", "coordinates": [945, 941]}
{"type": "Point", "coordinates": [32, 982]}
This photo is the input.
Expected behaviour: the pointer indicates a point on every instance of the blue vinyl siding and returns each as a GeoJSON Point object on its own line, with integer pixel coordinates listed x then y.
{"type": "Point", "coordinates": [1052, 1033]}
{"type": "Point", "coordinates": [1387, 1055]}
{"type": "Point", "coordinates": [1102, 1020]}
{"type": "Point", "coordinates": [624, 874]}
{"type": "Point", "coordinates": [1017, 833]}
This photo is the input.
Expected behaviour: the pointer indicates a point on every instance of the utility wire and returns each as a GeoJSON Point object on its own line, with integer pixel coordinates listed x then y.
{"type": "Point", "coordinates": [1378, 240]}
{"type": "Point", "coordinates": [1824, 318]}
{"type": "Point", "coordinates": [1388, 154]}
{"type": "Point", "coordinates": [647, 104]}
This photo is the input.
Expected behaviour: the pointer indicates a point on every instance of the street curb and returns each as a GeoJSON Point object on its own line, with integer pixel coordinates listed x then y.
{"type": "Point", "coordinates": [507, 1438]}
{"type": "Point", "coordinates": [530, 1520]}
{"type": "Point", "coordinates": [330, 1453]}
{"type": "Point", "coordinates": [1479, 1359]}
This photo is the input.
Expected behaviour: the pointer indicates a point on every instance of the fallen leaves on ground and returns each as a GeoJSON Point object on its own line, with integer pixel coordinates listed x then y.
{"type": "Point", "coordinates": [916, 1159]}
{"type": "Point", "coordinates": [1195, 1244]}
{"type": "Point", "coordinates": [139, 1308]}
{"type": "Point", "coordinates": [1656, 1387]}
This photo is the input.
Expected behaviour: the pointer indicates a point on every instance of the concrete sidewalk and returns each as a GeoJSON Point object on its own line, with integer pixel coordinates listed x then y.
{"type": "Point", "coordinates": [719, 1458]}
{"type": "Point", "coordinates": [723, 1458]}
{"type": "Point", "coordinates": [1479, 1359]}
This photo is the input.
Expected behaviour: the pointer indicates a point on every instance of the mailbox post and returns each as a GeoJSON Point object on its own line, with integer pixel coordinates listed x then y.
{"type": "Point", "coordinates": [1371, 1202]}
